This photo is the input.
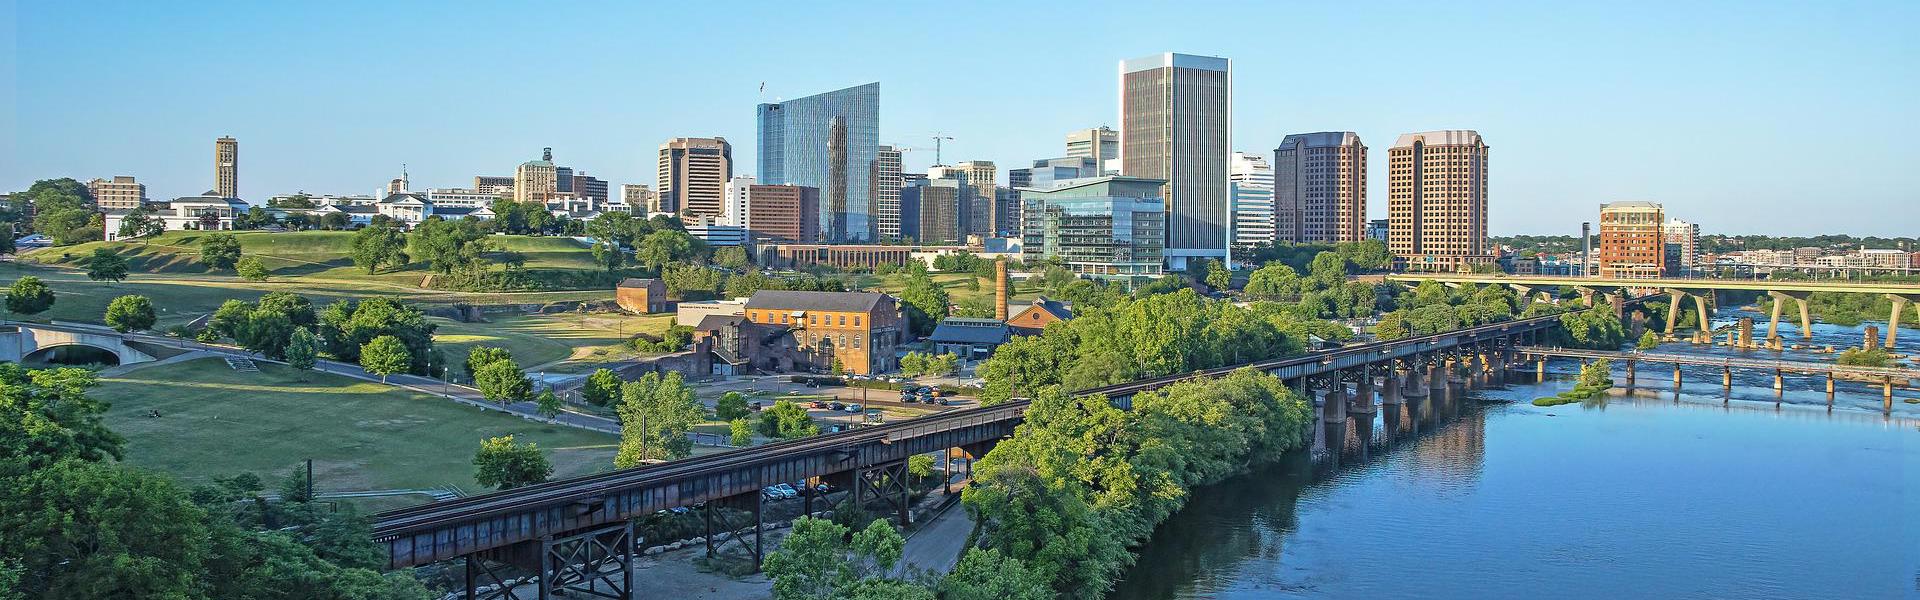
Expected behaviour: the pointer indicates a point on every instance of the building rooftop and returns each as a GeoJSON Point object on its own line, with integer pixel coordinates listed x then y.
{"type": "Point", "coordinates": [1444, 137]}
{"type": "Point", "coordinates": [636, 282]}
{"type": "Point", "coordinates": [963, 330]}
{"type": "Point", "coordinates": [821, 301]}
{"type": "Point", "coordinates": [1321, 139]}
{"type": "Point", "coordinates": [1174, 59]}
{"type": "Point", "coordinates": [1059, 309]}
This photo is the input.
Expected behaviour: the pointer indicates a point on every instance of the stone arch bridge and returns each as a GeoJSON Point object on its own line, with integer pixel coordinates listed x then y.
{"type": "Point", "coordinates": [36, 342]}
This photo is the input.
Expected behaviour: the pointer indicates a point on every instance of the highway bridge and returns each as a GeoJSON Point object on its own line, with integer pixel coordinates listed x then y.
{"type": "Point", "coordinates": [1701, 291]}
{"type": "Point", "coordinates": [577, 533]}
{"type": "Point", "coordinates": [1887, 377]}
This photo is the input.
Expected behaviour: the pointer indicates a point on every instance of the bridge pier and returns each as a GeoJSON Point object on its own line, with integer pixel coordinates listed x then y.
{"type": "Point", "coordinates": [755, 504]}
{"type": "Point", "coordinates": [1673, 312]}
{"type": "Point", "coordinates": [1829, 390]}
{"type": "Point", "coordinates": [1540, 368]}
{"type": "Point", "coordinates": [1676, 376]}
{"type": "Point", "coordinates": [1630, 364]}
{"type": "Point", "coordinates": [1806, 317]}
{"type": "Point", "coordinates": [1726, 377]}
{"type": "Point", "coordinates": [1886, 391]}
{"type": "Point", "coordinates": [1779, 383]}
{"type": "Point", "coordinates": [1893, 321]}
{"type": "Point", "coordinates": [565, 566]}
{"type": "Point", "coordinates": [887, 482]}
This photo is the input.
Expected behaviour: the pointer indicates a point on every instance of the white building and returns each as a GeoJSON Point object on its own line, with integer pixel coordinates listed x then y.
{"type": "Point", "coordinates": [1251, 181]}
{"type": "Point", "coordinates": [739, 193]}
{"type": "Point", "coordinates": [206, 212]}
{"type": "Point", "coordinates": [1686, 237]}
{"type": "Point", "coordinates": [449, 197]}
{"type": "Point", "coordinates": [715, 233]}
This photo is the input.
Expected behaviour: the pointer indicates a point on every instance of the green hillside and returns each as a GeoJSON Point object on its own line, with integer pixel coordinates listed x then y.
{"type": "Point", "coordinates": [302, 253]}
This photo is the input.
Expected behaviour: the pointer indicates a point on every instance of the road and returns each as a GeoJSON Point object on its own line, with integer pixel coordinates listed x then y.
{"type": "Point", "coordinates": [936, 546]}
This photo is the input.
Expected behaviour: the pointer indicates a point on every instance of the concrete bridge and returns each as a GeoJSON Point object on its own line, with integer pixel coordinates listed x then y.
{"type": "Point", "coordinates": [1887, 377]}
{"type": "Point", "coordinates": [1701, 291]}
{"type": "Point", "coordinates": [577, 535]}
{"type": "Point", "coordinates": [22, 342]}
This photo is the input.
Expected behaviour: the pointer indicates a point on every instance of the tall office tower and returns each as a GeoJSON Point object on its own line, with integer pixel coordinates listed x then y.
{"type": "Point", "coordinates": [983, 212]}
{"type": "Point", "coordinates": [119, 193]}
{"type": "Point", "coordinates": [1100, 144]}
{"type": "Point", "coordinates": [498, 186]}
{"type": "Point", "coordinates": [908, 180]}
{"type": "Point", "coordinates": [1252, 183]}
{"type": "Point", "coordinates": [1683, 246]}
{"type": "Point", "coordinates": [693, 176]}
{"type": "Point", "coordinates": [739, 198]}
{"type": "Point", "coordinates": [1437, 201]}
{"type": "Point", "coordinates": [1019, 178]}
{"type": "Point", "coordinates": [1006, 212]}
{"type": "Point", "coordinates": [588, 186]}
{"type": "Point", "coordinates": [887, 181]}
{"type": "Point", "coordinates": [942, 211]}
{"type": "Point", "coordinates": [829, 142]}
{"type": "Point", "coordinates": [563, 179]}
{"type": "Point", "coordinates": [226, 167]}
{"type": "Point", "coordinates": [535, 180]}
{"type": "Point", "coordinates": [1632, 240]}
{"type": "Point", "coordinates": [783, 213]}
{"type": "Point", "coordinates": [1320, 188]}
{"type": "Point", "coordinates": [1176, 123]}
{"type": "Point", "coordinates": [638, 197]}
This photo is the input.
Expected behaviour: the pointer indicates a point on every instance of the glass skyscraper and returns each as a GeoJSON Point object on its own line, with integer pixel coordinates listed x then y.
{"type": "Point", "coordinates": [829, 142]}
{"type": "Point", "coordinates": [1176, 124]}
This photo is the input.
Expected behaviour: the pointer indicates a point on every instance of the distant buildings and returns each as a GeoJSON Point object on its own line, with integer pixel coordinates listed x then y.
{"type": "Point", "coordinates": [498, 186]}
{"type": "Point", "coordinates": [783, 213]}
{"type": "Point", "coordinates": [1100, 144]}
{"type": "Point", "coordinates": [1320, 188]}
{"type": "Point", "coordinates": [587, 186]}
{"type": "Point", "coordinates": [1252, 183]}
{"type": "Point", "coordinates": [887, 181]}
{"type": "Point", "coordinates": [206, 212]}
{"type": "Point", "coordinates": [1377, 230]}
{"type": "Point", "coordinates": [1111, 227]}
{"type": "Point", "coordinates": [982, 211]}
{"type": "Point", "coordinates": [1632, 241]}
{"type": "Point", "coordinates": [1045, 173]}
{"type": "Point", "coordinates": [1437, 201]}
{"type": "Point", "coordinates": [641, 296]}
{"type": "Point", "coordinates": [716, 233]}
{"type": "Point", "coordinates": [1176, 122]}
{"type": "Point", "coordinates": [536, 180]}
{"type": "Point", "coordinates": [1683, 246]}
{"type": "Point", "coordinates": [119, 193]}
{"type": "Point", "coordinates": [226, 167]}
{"type": "Point", "coordinates": [855, 331]}
{"type": "Point", "coordinates": [639, 197]}
{"type": "Point", "coordinates": [739, 190]}
{"type": "Point", "coordinates": [829, 142]}
{"type": "Point", "coordinates": [939, 208]}
{"type": "Point", "coordinates": [693, 176]}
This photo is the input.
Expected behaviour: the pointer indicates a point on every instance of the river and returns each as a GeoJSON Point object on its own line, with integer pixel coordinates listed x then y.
{"type": "Point", "coordinates": [1651, 493]}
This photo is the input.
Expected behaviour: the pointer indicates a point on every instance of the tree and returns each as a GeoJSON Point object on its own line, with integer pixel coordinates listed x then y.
{"type": "Point", "coordinates": [1218, 276]}
{"type": "Point", "coordinates": [502, 381]}
{"type": "Point", "coordinates": [93, 530]}
{"type": "Point", "coordinates": [926, 303]}
{"type": "Point", "coordinates": [665, 246]}
{"type": "Point", "coordinates": [251, 269]}
{"type": "Point", "coordinates": [504, 465]}
{"type": "Point", "coordinates": [105, 265]}
{"type": "Point", "coordinates": [481, 356]}
{"type": "Point", "coordinates": [302, 348]}
{"type": "Point", "coordinates": [378, 246]}
{"type": "Point", "coordinates": [656, 412]}
{"type": "Point", "coordinates": [602, 388]}
{"type": "Point", "coordinates": [919, 466]}
{"type": "Point", "coordinates": [448, 246]}
{"type": "Point", "coordinates": [129, 313]}
{"type": "Point", "coordinates": [28, 295]}
{"type": "Point", "coordinates": [346, 325]}
{"type": "Point", "coordinates": [730, 406]}
{"type": "Point", "coordinates": [1648, 341]}
{"type": "Point", "coordinates": [548, 404]}
{"type": "Point", "coordinates": [986, 574]}
{"type": "Point", "coordinates": [219, 250]}
{"type": "Point", "coordinates": [140, 223]}
{"type": "Point", "coordinates": [733, 258]}
{"type": "Point", "coordinates": [787, 420]}
{"type": "Point", "coordinates": [608, 254]}
{"type": "Point", "coordinates": [383, 356]}
{"type": "Point", "coordinates": [816, 561]}
{"type": "Point", "coordinates": [741, 432]}
{"type": "Point", "coordinates": [47, 416]}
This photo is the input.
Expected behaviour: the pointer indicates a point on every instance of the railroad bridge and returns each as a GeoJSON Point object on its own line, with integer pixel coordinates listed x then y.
{"type": "Point", "coordinates": [577, 534]}
{"type": "Point", "coordinates": [27, 343]}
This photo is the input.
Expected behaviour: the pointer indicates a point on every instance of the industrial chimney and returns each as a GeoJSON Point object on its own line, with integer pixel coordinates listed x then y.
{"type": "Point", "coordinates": [1000, 290]}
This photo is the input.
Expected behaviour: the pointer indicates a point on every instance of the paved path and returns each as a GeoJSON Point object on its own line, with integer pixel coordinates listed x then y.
{"type": "Point", "coordinates": [937, 545]}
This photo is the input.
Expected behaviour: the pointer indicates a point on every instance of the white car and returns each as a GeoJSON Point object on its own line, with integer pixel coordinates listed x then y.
{"type": "Point", "coordinates": [786, 491]}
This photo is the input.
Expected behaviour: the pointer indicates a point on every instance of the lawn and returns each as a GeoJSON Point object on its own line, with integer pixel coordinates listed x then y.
{"type": "Point", "coordinates": [361, 435]}
{"type": "Point", "coordinates": [543, 340]}
{"type": "Point", "coordinates": [956, 285]}
{"type": "Point", "coordinates": [322, 256]}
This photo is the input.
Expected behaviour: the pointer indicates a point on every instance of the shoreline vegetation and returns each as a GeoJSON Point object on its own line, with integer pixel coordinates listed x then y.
{"type": "Point", "coordinates": [1595, 380]}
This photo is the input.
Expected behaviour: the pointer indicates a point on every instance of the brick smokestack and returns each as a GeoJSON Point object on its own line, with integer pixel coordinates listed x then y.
{"type": "Point", "coordinates": [1000, 290]}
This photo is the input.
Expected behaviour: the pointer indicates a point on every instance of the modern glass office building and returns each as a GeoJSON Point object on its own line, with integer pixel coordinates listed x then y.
{"type": "Point", "coordinates": [1176, 124]}
{"type": "Point", "coordinates": [830, 142]}
{"type": "Point", "coordinates": [1107, 227]}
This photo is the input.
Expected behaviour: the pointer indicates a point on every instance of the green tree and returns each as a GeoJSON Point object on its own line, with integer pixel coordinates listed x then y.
{"type": "Point", "coordinates": [926, 303]}
{"type": "Point", "coordinates": [92, 530]}
{"type": "Point", "coordinates": [251, 268]}
{"type": "Point", "coordinates": [986, 574]}
{"type": "Point", "coordinates": [502, 381]}
{"type": "Point", "coordinates": [449, 246]}
{"type": "Point", "coordinates": [1857, 357]}
{"type": "Point", "coordinates": [1218, 276]}
{"type": "Point", "coordinates": [919, 466]}
{"type": "Point", "coordinates": [105, 265]}
{"type": "Point", "coordinates": [346, 326]}
{"type": "Point", "coordinates": [378, 246]}
{"type": "Point", "coordinates": [730, 406]}
{"type": "Point", "coordinates": [219, 251]}
{"type": "Point", "coordinates": [817, 561]}
{"type": "Point", "coordinates": [741, 431]}
{"type": "Point", "coordinates": [302, 349]}
{"type": "Point", "coordinates": [504, 465]}
{"type": "Point", "coordinates": [28, 295]}
{"type": "Point", "coordinates": [786, 420]}
{"type": "Point", "coordinates": [733, 258]}
{"type": "Point", "coordinates": [140, 224]}
{"type": "Point", "coordinates": [663, 247]}
{"type": "Point", "coordinates": [548, 404]}
{"type": "Point", "coordinates": [602, 388]}
{"type": "Point", "coordinates": [384, 355]}
{"type": "Point", "coordinates": [480, 356]}
{"type": "Point", "coordinates": [609, 255]}
{"type": "Point", "coordinates": [130, 313]}
{"type": "Point", "coordinates": [47, 416]}
{"type": "Point", "coordinates": [1648, 341]}
{"type": "Point", "coordinates": [656, 412]}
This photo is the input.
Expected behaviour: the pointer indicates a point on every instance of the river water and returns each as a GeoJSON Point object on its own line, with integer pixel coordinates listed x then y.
{"type": "Point", "coordinates": [1651, 493]}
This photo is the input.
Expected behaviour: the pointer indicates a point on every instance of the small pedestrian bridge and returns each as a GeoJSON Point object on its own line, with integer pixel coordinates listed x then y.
{"type": "Point", "coordinates": [38, 344]}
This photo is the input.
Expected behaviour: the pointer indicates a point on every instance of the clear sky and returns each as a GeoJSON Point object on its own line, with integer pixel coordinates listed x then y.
{"type": "Point", "coordinates": [1746, 117]}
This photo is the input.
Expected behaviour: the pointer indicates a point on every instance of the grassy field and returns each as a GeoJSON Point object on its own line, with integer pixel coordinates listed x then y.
{"type": "Point", "coordinates": [544, 340]}
{"type": "Point", "coordinates": [361, 435]}
{"type": "Point", "coordinates": [303, 254]}
{"type": "Point", "coordinates": [956, 285]}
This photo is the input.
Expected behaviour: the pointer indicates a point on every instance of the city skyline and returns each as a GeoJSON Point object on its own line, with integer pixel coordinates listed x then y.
{"type": "Point", "coordinates": [1658, 115]}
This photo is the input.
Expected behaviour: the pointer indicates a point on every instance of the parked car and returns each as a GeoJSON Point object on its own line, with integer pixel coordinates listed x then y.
{"type": "Point", "coordinates": [837, 406]}
{"type": "Point", "coordinates": [769, 493]}
{"type": "Point", "coordinates": [853, 408]}
{"type": "Point", "coordinates": [786, 490]}
{"type": "Point", "coordinates": [817, 404]}
{"type": "Point", "coordinates": [754, 405]}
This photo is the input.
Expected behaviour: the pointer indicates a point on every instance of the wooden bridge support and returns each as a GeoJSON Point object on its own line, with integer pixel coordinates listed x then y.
{"type": "Point", "coordinates": [1676, 376]}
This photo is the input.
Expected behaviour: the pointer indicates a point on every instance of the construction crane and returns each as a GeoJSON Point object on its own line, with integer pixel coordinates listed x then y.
{"type": "Point", "coordinates": [937, 138]}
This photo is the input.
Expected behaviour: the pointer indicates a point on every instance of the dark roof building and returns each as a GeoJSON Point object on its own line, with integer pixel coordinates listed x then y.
{"type": "Point", "coordinates": [815, 301]}
{"type": "Point", "coordinates": [970, 338]}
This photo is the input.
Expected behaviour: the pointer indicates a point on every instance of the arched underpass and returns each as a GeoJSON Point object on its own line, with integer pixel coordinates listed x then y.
{"type": "Point", "coordinates": [71, 354]}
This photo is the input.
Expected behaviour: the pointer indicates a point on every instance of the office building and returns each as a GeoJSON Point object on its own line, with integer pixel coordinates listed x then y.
{"type": "Point", "coordinates": [1683, 243]}
{"type": "Point", "coordinates": [119, 193]}
{"type": "Point", "coordinates": [1320, 188]}
{"type": "Point", "coordinates": [639, 197]}
{"type": "Point", "coordinates": [1252, 183]}
{"type": "Point", "coordinates": [588, 186]}
{"type": "Point", "coordinates": [1019, 178]}
{"type": "Point", "coordinates": [887, 181]}
{"type": "Point", "coordinates": [1109, 227]}
{"type": "Point", "coordinates": [783, 213]}
{"type": "Point", "coordinates": [562, 179]}
{"type": "Point", "coordinates": [1437, 201]}
{"type": "Point", "coordinates": [226, 167]}
{"type": "Point", "coordinates": [693, 176]}
{"type": "Point", "coordinates": [1632, 241]}
{"type": "Point", "coordinates": [828, 142]}
{"type": "Point", "coordinates": [716, 234]}
{"type": "Point", "coordinates": [739, 190]}
{"type": "Point", "coordinates": [1100, 144]}
{"type": "Point", "coordinates": [1006, 212]}
{"type": "Point", "coordinates": [1377, 230]}
{"type": "Point", "coordinates": [1176, 123]}
{"type": "Point", "coordinates": [536, 180]}
{"type": "Point", "coordinates": [1045, 173]}
{"type": "Point", "coordinates": [498, 186]}
{"type": "Point", "coordinates": [459, 198]}
{"type": "Point", "coordinates": [941, 208]}
{"type": "Point", "coordinates": [982, 210]}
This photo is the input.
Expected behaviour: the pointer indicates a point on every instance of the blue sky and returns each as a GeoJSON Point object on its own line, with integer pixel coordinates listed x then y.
{"type": "Point", "coordinates": [1784, 118]}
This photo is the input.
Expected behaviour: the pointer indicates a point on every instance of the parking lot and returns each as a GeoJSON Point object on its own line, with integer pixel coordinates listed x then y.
{"type": "Point", "coordinates": [820, 401]}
